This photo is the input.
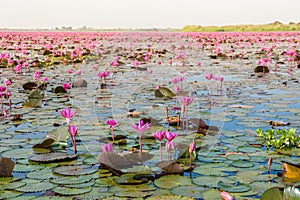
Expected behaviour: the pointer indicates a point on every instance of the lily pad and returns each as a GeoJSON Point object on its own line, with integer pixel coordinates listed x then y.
{"type": "Point", "coordinates": [52, 157]}
{"type": "Point", "coordinates": [69, 180]}
{"type": "Point", "coordinates": [234, 188]}
{"type": "Point", "coordinates": [171, 181]}
{"type": "Point", "coordinates": [75, 170]}
{"type": "Point", "coordinates": [59, 89]}
{"type": "Point", "coordinates": [242, 164]}
{"type": "Point", "coordinates": [130, 179]}
{"type": "Point", "coordinates": [211, 181]}
{"type": "Point", "coordinates": [36, 94]}
{"type": "Point", "coordinates": [43, 174]}
{"type": "Point", "coordinates": [18, 153]}
{"type": "Point", "coordinates": [189, 191]}
{"type": "Point", "coordinates": [6, 167]}
{"type": "Point", "coordinates": [32, 103]}
{"type": "Point", "coordinates": [57, 135]}
{"type": "Point", "coordinates": [36, 187]}
{"type": "Point", "coordinates": [71, 191]}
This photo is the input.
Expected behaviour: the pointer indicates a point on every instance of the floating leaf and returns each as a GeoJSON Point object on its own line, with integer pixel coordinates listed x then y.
{"type": "Point", "coordinates": [273, 193]}
{"type": "Point", "coordinates": [32, 103]}
{"type": "Point", "coordinates": [71, 191]}
{"type": "Point", "coordinates": [164, 92]}
{"type": "Point", "coordinates": [210, 171]}
{"type": "Point", "coordinates": [59, 89]}
{"type": "Point", "coordinates": [57, 135]}
{"type": "Point", "coordinates": [130, 179]}
{"type": "Point", "coordinates": [26, 168]}
{"type": "Point", "coordinates": [291, 172]}
{"type": "Point", "coordinates": [69, 180]}
{"type": "Point", "coordinates": [52, 157]}
{"type": "Point", "coordinates": [6, 167]}
{"type": "Point", "coordinates": [36, 94]}
{"type": "Point", "coordinates": [170, 167]}
{"type": "Point", "coordinates": [211, 181]}
{"type": "Point", "coordinates": [75, 170]}
{"type": "Point", "coordinates": [29, 86]}
{"type": "Point", "coordinates": [18, 153]}
{"type": "Point", "coordinates": [189, 191]}
{"type": "Point", "coordinates": [9, 194]}
{"type": "Point", "coordinates": [242, 164]}
{"type": "Point", "coordinates": [43, 174]}
{"type": "Point", "coordinates": [171, 181]}
{"type": "Point", "coordinates": [36, 187]}
{"type": "Point", "coordinates": [233, 188]}
{"type": "Point", "coordinates": [237, 156]}
{"type": "Point", "coordinates": [118, 162]}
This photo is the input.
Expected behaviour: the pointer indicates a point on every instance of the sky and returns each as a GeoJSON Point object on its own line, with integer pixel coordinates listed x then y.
{"type": "Point", "coordinates": [144, 13]}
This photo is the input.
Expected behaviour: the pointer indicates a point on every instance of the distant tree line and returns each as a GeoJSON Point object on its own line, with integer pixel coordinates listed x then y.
{"type": "Point", "coordinates": [275, 26]}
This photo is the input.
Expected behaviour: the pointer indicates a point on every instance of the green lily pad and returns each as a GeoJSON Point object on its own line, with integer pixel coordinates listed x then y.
{"type": "Point", "coordinates": [211, 181]}
{"type": "Point", "coordinates": [36, 187]}
{"type": "Point", "coordinates": [57, 135]}
{"type": "Point", "coordinates": [91, 160]}
{"type": "Point", "coordinates": [131, 194]}
{"type": "Point", "coordinates": [249, 149]}
{"type": "Point", "coordinates": [234, 188]}
{"type": "Point", "coordinates": [18, 153]}
{"type": "Point", "coordinates": [211, 194]}
{"type": "Point", "coordinates": [171, 181]}
{"type": "Point", "coordinates": [69, 180]}
{"type": "Point", "coordinates": [36, 94]}
{"type": "Point", "coordinates": [32, 103]}
{"type": "Point", "coordinates": [247, 176]}
{"type": "Point", "coordinates": [210, 171]}
{"type": "Point", "coordinates": [59, 89]}
{"type": "Point", "coordinates": [82, 185]}
{"type": "Point", "coordinates": [14, 185]}
{"type": "Point", "coordinates": [43, 174]}
{"type": "Point", "coordinates": [26, 168]}
{"type": "Point", "coordinates": [9, 194]}
{"type": "Point", "coordinates": [242, 163]}
{"type": "Point", "coordinates": [96, 193]}
{"type": "Point", "coordinates": [75, 170]}
{"type": "Point", "coordinates": [130, 179]}
{"type": "Point", "coordinates": [52, 157]}
{"type": "Point", "coordinates": [238, 157]}
{"type": "Point", "coordinates": [164, 92]}
{"type": "Point", "coordinates": [71, 191]}
{"type": "Point", "coordinates": [188, 191]}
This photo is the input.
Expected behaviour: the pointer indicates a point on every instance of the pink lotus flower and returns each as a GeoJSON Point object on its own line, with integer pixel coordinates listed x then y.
{"type": "Point", "coordinates": [136, 63]}
{"type": "Point", "coordinates": [175, 80]}
{"type": "Point", "coordinates": [226, 196]}
{"type": "Point", "coordinates": [69, 71]}
{"type": "Point", "coordinates": [209, 76]}
{"type": "Point", "coordinates": [37, 75]}
{"type": "Point", "coordinates": [66, 113]}
{"type": "Point", "coordinates": [66, 86]}
{"type": "Point", "coordinates": [111, 123]}
{"type": "Point", "coordinates": [7, 82]}
{"type": "Point", "coordinates": [186, 100]}
{"type": "Point", "coordinates": [45, 79]}
{"type": "Point", "coordinates": [159, 135]}
{"type": "Point", "coordinates": [107, 147]}
{"type": "Point", "coordinates": [141, 127]}
{"type": "Point", "coordinates": [2, 89]}
{"type": "Point", "coordinates": [78, 72]}
{"type": "Point", "coordinates": [73, 132]}
{"type": "Point", "coordinates": [169, 136]}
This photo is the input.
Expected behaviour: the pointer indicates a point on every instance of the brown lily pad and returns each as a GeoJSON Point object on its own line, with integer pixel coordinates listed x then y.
{"type": "Point", "coordinates": [52, 157]}
{"type": "Point", "coordinates": [6, 167]}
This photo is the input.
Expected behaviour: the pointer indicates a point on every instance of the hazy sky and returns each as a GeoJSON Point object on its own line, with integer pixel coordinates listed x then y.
{"type": "Point", "coordinates": [144, 14]}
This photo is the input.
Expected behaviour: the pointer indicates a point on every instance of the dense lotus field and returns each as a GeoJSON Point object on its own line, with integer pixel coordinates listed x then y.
{"type": "Point", "coordinates": [149, 115]}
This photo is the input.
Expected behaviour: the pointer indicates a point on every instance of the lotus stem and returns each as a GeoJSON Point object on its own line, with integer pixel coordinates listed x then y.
{"type": "Point", "coordinates": [141, 150]}
{"type": "Point", "coordinates": [113, 135]}
{"type": "Point", "coordinates": [160, 150]}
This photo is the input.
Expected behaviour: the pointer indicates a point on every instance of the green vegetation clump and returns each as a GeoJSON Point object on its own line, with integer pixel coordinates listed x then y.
{"type": "Point", "coordinates": [280, 138]}
{"type": "Point", "coordinates": [275, 26]}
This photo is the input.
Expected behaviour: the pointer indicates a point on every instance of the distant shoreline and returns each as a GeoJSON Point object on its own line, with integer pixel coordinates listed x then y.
{"type": "Point", "coordinates": [271, 27]}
